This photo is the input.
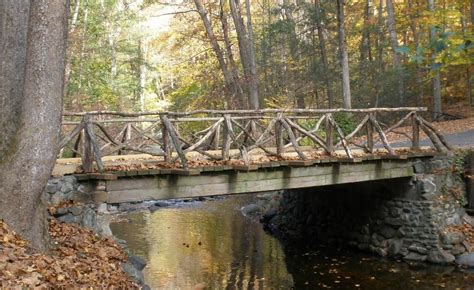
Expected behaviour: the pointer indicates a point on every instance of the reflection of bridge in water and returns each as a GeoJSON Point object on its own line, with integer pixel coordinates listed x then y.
{"type": "Point", "coordinates": [160, 155]}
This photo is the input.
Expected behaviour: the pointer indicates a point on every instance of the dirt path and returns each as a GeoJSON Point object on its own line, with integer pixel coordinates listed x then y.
{"type": "Point", "coordinates": [459, 133]}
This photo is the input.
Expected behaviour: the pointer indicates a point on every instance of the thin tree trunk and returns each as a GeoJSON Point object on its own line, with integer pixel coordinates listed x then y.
{"type": "Point", "coordinates": [394, 43]}
{"type": "Point", "coordinates": [229, 80]}
{"type": "Point", "coordinates": [365, 50]}
{"type": "Point", "coordinates": [293, 85]}
{"type": "Point", "coordinates": [77, 5]}
{"type": "Point", "coordinates": [379, 57]}
{"type": "Point", "coordinates": [254, 98]}
{"type": "Point", "coordinates": [346, 86]}
{"type": "Point", "coordinates": [33, 41]}
{"type": "Point", "coordinates": [230, 56]}
{"type": "Point", "coordinates": [142, 49]}
{"type": "Point", "coordinates": [247, 50]}
{"type": "Point", "coordinates": [324, 56]}
{"type": "Point", "coordinates": [416, 42]}
{"type": "Point", "coordinates": [468, 71]}
{"type": "Point", "coordinates": [472, 12]}
{"type": "Point", "coordinates": [73, 25]}
{"type": "Point", "coordinates": [436, 78]}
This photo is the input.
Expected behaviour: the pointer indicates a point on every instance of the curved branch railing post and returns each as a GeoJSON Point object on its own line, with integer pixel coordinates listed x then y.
{"type": "Point", "coordinates": [165, 139]}
{"type": "Point", "coordinates": [370, 134]}
{"type": "Point", "coordinates": [279, 135]}
{"type": "Point", "coordinates": [415, 132]}
{"type": "Point", "coordinates": [329, 134]}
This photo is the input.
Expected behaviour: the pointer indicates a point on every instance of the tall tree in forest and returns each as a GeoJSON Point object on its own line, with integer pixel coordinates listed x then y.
{"type": "Point", "coordinates": [242, 101]}
{"type": "Point", "coordinates": [392, 31]}
{"type": "Point", "coordinates": [322, 47]}
{"type": "Point", "coordinates": [435, 78]}
{"type": "Point", "coordinates": [33, 44]}
{"type": "Point", "coordinates": [346, 85]}
{"type": "Point", "coordinates": [245, 38]}
{"type": "Point", "coordinates": [230, 81]}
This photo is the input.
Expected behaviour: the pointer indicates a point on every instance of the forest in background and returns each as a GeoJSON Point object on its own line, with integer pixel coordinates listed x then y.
{"type": "Point", "coordinates": [141, 55]}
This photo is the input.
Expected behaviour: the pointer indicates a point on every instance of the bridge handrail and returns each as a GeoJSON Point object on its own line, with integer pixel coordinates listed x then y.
{"type": "Point", "coordinates": [245, 130]}
{"type": "Point", "coordinates": [234, 112]}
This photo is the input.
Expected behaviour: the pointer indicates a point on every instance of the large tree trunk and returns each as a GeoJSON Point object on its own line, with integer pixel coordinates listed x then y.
{"type": "Point", "coordinates": [392, 31]}
{"type": "Point", "coordinates": [324, 55]}
{"type": "Point", "coordinates": [346, 86]}
{"type": "Point", "coordinates": [33, 39]}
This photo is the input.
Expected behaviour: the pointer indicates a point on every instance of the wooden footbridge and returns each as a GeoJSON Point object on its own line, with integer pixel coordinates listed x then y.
{"type": "Point", "coordinates": [124, 157]}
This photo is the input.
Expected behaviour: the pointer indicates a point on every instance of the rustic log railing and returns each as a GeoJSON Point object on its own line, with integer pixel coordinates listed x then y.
{"type": "Point", "coordinates": [214, 133]}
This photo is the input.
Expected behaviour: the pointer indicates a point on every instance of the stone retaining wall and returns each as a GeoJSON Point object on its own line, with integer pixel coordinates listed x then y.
{"type": "Point", "coordinates": [404, 218]}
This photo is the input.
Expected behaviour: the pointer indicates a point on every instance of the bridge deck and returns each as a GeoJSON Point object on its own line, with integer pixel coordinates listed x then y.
{"type": "Point", "coordinates": [168, 183]}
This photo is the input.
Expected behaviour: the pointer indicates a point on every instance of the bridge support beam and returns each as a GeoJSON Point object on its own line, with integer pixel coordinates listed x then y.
{"type": "Point", "coordinates": [161, 186]}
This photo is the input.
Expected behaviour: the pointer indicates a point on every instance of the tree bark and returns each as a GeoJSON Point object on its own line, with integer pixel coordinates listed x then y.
{"type": "Point", "coordinates": [72, 25]}
{"type": "Point", "coordinates": [436, 78]}
{"type": "Point", "coordinates": [324, 55]}
{"type": "Point", "coordinates": [472, 12]}
{"type": "Point", "coordinates": [392, 30]}
{"type": "Point", "coordinates": [416, 42]}
{"type": "Point", "coordinates": [142, 50]}
{"type": "Point", "coordinates": [346, 86]}
{"type": "Point", "coordinates": [365, 49]}
{"type": "Point", "coordinates": [379, 57]}
{"type": "Point", "coordinates": [33, 39]}
{"type": "Point", "coordinates": [229, 80]}
{"type": "Point", "coordinates": [247, 50]}
{"type": "Point", "coordinates": [230, 56]}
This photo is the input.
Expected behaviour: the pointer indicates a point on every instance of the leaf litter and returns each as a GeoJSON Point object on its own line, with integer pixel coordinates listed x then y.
{"type": "Point", "coordinates": [77, 258]}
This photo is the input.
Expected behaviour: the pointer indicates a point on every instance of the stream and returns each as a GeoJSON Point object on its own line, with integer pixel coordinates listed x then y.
{"type": "Point", "coordinates": [212, 245]}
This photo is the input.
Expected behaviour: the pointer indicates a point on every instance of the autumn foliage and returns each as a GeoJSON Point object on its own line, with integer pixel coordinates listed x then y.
{"type": "Point", "coordinates": [78, 259]}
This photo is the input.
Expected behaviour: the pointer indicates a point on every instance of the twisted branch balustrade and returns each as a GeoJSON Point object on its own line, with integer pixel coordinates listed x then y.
{"type": "Point", "coordinates": [226, 134]}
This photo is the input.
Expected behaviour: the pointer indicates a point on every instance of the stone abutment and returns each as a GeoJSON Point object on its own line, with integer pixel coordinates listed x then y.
{"type": "Point", "coordinates": [414, 219]}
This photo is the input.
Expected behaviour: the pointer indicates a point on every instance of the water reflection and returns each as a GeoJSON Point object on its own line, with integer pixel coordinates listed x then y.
{"type": "Point", "coordinates": [212, 245]}
{"type": "Point", "coordinates": [205, 244]}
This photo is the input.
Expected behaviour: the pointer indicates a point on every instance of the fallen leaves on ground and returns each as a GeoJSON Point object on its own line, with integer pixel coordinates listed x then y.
{"type": "Point", "coordinates": [467, 230]}
{"type": "Point", "coordinates": [77, 259]}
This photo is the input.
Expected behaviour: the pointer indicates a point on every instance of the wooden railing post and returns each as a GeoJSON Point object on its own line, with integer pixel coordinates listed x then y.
{"type": "Point", "coordinates": [227, 138]}
{"type": "Point", "coordinates": [173, 135]}
{"type": "Point", "coordinates": [127, 134]}
{"type": "Point", "coordinates": [370, 135]}
{"type": "Point", "coordinates": [416, 132]}
{"type": "Point", "coordinates": [216, 138]}
{"type": "Point", "coordinates": [77, 144]}
{"type": "Point", "coordinates": [86, 158]}
{"type": "Point", "coordinates": [279, 134]}
{"type": "Point", "coordinates": [329, 134]}
{"type": "Point", "coordinates": [166, 140]}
